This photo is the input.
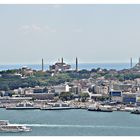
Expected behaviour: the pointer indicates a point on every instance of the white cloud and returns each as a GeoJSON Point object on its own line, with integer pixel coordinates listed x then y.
{"type": "Point", "coordinates": [35, 28]}
{"type": "Point", "coordinates": [24, 29]}
{"type": "Point", "coordinates": [53, 31]}
{"type": "Point", "coordinates": [49, 29]}
{"type": "Point", "coordinates": [77, 30]}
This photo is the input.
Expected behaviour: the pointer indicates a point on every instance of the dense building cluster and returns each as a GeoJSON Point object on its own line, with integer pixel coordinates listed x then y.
{"type": "Point", "coordinates": [97, 84]}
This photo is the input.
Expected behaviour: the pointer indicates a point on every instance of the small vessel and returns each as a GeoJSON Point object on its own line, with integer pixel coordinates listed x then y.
{"type": "Point", "coordinates": [136, 111]}
{"type": "Point", "coordinates": [22, 106]}
{"type": "Point", "coordinates": [100, 108]}
{"type": "Point", "coordinates": [5, 126]}
{"type": "Point", "coordinates": [129, 109]}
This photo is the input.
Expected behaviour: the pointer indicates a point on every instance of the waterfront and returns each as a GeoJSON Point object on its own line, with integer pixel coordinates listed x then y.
{"type": "Point", "coordinates": [73, 123]}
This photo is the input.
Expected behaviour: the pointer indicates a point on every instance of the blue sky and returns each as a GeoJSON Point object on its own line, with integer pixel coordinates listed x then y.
{"type": "Point", "coordinates": [93, 33]}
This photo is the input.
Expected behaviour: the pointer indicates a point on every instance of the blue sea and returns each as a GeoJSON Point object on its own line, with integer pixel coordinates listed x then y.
{"type": "Point", "coordinates": [88, 66]}
{"type": "Point", "coordinates": [73, 123]}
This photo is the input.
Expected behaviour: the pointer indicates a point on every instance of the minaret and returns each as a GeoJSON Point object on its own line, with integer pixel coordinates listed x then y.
{"type": "Point", "coordinates": [62, 60]}
{"type": "Point", "coordinates": [131, 62]}
{"type": "Point", "coordinates": [42, 65]}
{"type": "Point", "coordinates": [139, 60]}
{"type": "Point", "coordinates": [76, 64]}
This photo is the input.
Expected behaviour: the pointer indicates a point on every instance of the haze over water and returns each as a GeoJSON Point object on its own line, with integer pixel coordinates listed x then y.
{"type": "Point", "coordinates": [88, 66]}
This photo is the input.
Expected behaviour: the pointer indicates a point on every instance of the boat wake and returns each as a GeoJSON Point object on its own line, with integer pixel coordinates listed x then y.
{"type": "Point", "coordinates": [80, 126]}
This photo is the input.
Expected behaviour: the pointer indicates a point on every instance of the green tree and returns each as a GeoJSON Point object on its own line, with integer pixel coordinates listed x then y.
{"type": "Point", "coordinates": [83, 96]}
{"type": "Point", "coordinates": [65, 96]}
{"type": "Point", "coordinates": [103, 98]}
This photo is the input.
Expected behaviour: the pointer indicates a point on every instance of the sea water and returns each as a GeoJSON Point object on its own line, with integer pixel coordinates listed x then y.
{"type": "Point", "coordinates": [73, 123]}
{"type": "Point", "coordinates": [88, 66]}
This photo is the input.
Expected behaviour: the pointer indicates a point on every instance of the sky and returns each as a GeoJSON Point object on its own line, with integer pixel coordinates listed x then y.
{"type": "Point", "coordinates": [93, 33]}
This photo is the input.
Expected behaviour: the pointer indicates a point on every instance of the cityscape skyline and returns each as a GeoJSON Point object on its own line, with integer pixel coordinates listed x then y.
{"type": "Point", "coordinates": [93, 33]}
{"type": "Point", "coordinates": [69, 69]}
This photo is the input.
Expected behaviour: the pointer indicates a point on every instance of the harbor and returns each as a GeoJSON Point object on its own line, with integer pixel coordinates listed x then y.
{"type": "Point", "coordinates": [89, 106]}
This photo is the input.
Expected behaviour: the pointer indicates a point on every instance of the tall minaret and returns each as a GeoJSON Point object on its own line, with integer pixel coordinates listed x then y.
{"type": "Point", "coordinates": [139, 60]}
{"type": "Point", "coordinates": [76, 64]}
{"type": "Point", "coordinates": [62, 60]}
{"type": "Point", "coordinates": [42, 65]}
{"type": "Point", "coordinates": [131, 63]}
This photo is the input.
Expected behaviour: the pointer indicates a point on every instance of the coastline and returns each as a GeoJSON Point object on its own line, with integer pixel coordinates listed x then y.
{"type": "Point", "coordinates": [88, 66]}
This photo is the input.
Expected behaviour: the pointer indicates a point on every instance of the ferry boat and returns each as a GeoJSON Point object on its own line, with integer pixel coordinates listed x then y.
{"type": "Point", "coordinates": [22, 106]}
{"type": "Point", "coordinates": [100, 108]}
{"type": "Point", "coordinates": [58, 106]}
{"type": "Point", "coordinates": [5, 126]}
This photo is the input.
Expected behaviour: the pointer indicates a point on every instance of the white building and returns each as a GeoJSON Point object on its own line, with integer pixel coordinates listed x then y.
{"type": "Point", "coordinates": [61, 88]}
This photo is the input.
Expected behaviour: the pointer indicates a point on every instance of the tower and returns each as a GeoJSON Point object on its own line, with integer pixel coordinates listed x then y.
{"type": "Point", "coordinates": [76, 64]}
{"type": "Point", "coordinates": [62, 60]}
{"type": "Point", "coordinates": [42, 65]}
{"type": "Point", "coordinates": [139, 60]}
{"type": "Point", "coordinates": [131, 62]}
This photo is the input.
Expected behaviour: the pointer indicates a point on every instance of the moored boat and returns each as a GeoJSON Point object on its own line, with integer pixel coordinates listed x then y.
{"type": "Point", "coordinates": [58, 106]}
{"type": "Point", "coordinates": [100, 108]}
{"type": "Point", "coordinates": [22, 106]}
{"type": "Point", "coordinates": [136, 111]}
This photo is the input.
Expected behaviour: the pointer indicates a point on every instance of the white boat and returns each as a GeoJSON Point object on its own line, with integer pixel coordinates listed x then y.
{"type": "Point", "coordinates": [129, 109]}
{"type": "Point", "coordinates": [22, 106]}
{"type": "Point", "coordinates": [58, 106]}
{"type": "Point", "coordinates": [5, 126]}
{"type": "Point", "coordinates": [136, 111]}
{"type": "Point", "coordinates": [100, 108]}
{"type": "Point", "coordinates": [4, 122]}
{"type": "Point", "coordinates": [106, 108]}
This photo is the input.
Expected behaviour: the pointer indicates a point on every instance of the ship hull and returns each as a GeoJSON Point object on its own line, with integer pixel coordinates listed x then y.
{"type": "Point", "coordinates": [10, 128]}
{"type": "Point", "coordinates": [59, 108]}
{"type": "Point", "coordinates": [13, 131]}
{"type": "Point", "coordinates": [135, 112]}
{"type": "Point", "coordinates": [22, 108]}
{"type": "Point", "coordinates": [99, 110]}
{"type": "Point", "coordinates": [5, 126]}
